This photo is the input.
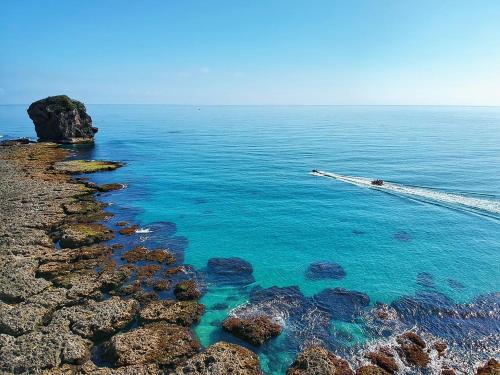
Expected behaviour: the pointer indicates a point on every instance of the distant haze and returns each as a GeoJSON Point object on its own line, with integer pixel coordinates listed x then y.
{"type": "Point", "coordinates": [252, 52]}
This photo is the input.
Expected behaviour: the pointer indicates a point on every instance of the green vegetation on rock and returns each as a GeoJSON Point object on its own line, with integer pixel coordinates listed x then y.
{"type": "Point", "coordinates": [86, 166]}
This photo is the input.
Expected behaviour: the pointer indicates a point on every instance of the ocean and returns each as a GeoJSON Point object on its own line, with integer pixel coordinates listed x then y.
{"type": "Point", "coordinates": [236, 181]}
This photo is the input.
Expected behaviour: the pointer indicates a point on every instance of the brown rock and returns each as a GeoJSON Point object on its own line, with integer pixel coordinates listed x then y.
{"type": "Point", "coordinates": [156, 343]}
{"type": "Point", "coordinates": [411, 348]}
{"type": "Point", "coordinates": [187, 290]}
{"type": "Point", "coordinates": [135, 255]}
{"type": "Point", "coordinates": [95, 320]}
{"type": "Point", "coordinates": [110, 187]}
{"type": "Point", "coordinates": [122, 224]}
{"type": "Point", "coordinates": [319, 361]}
{"type": "Point", "coordinates": [383, 360]}
{"type": "Point", "coordinates": [147, 271]}
{"type": "Point", "coordinates": [440, 347]}
{"type": "Point", "coordinates": [160, 256]}
{"type": "Point", "coordinates": [184, 313]}
{"type": "Point", "coordinates": [77, 235]}
{"type": "Point", "coordinates": [221, 358]}
{"type": "Point", "coordinates": [447, 371]}
{"type": "Point", "coordinates": [175, 270]}
{"type": "Point", "coordinates": [128, 231]}
{"type": "Point", "coordinates": [492, 367]}
{"type": "Point", "coordinates": [255, 330]}
{"type": "Point", "coordinates": [161, 285]}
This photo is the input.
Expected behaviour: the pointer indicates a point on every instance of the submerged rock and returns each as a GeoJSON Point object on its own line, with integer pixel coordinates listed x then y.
{"type": "Point", "coordinates": [184, 313]}
{"type": "Point", "coordinates": [255, 330]}
{"type": "Point", "coordinates": [222, 358]}
{"type": "Point", "coordinates": [61, 119]}
{"type": "Point", "coordinates": [341, 303]}
{"type": "Point", "coordinates": [155, 343]}
{"type": "Point", "coordinates": [104, 188]}
{"type": "Point", "coordinates": [319, 361]}
{"type": "Point", "coordinates": [325, 270]}
{"type": "Point", "coordinates": [234, 271]}
{"type": "Point", "coordinates": [187, 290]}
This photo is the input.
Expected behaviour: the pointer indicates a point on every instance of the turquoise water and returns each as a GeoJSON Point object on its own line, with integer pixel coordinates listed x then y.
{"type": "Point", "coordinates": [236, 182]}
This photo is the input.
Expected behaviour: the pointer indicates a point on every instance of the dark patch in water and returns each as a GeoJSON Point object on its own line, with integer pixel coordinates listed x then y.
{"type": "Point", "coordinates": [219, 306]}
{"type": "Point", "coordinates": [402, 236]}
{"type": "Point", "coordinates": [457, 285]}
{"type": "Point", "coordinates": [425, 279]}
{"type": "Point", "coordinates": [358, 232]}
{"type": "Point", "coordinates": [342, 304]}
{"type": "Point", "coordinates": [325, 270]}
{"type": "Point", "coordinates": [200, 200]}
{"type": "Point", "coordinates": [229, 271]}
{"type": "Point", "coordinates": [232, 298]}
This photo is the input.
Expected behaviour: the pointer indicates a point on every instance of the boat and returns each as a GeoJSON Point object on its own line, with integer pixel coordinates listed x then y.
{"type": "Point", "coordinates": [377, 182]}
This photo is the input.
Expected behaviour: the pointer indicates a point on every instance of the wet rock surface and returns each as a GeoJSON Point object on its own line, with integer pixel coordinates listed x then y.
{"type": "Point", "coordinates": [255, 330]}
{"type": "Point", "coordinates": [61, 119]}
{"type": "Point", "coordinates": [220, 359]}
{"type": "Point", "coordinates": [319, 361]}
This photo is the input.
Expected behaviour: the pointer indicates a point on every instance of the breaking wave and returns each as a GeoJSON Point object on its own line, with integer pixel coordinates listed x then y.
{"type": "Point", "coordinates": [490, 207]}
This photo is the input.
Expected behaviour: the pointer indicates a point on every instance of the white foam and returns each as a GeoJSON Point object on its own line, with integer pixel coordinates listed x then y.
{"type": "Point", "coordinates": [143, 230]}
{"type": "Point", "coordinates": [457, 200]}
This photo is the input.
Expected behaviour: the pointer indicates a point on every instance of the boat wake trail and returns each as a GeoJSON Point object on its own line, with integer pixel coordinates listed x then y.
{"type": "Point", "coordinates": [489, 207]}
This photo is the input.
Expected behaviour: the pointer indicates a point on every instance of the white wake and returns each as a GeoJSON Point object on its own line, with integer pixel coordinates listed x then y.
{"type": "Point", "coordinates": [456, 200]}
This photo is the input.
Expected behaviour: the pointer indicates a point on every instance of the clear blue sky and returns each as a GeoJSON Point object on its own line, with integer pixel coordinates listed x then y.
{"type": "Point", "coordinates": [251, 52]}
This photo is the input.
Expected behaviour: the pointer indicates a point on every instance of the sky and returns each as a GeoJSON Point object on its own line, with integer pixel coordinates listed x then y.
{"type": "Point", "coordinates": [324, 52]}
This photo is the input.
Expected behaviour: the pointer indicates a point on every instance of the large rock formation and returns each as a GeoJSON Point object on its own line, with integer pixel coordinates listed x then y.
{"type": "Point", "coordinates": [61, 119]}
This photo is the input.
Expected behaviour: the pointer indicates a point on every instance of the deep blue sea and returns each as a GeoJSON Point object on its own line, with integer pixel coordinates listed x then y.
{"type": "Point", "coordinates": [236, 182]}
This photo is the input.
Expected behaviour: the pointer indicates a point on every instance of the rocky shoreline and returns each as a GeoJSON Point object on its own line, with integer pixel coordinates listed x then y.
{"type": "Point", "coordinates": [66, 306]}
{"type": "Point", "coordinates": [77, 299]}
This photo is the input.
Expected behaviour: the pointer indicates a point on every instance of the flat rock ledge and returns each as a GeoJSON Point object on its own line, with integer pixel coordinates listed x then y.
{"type": "Point", "coordinates": [59, 306]}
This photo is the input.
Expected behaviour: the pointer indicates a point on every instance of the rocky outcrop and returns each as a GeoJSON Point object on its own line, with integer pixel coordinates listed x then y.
{"type": "Point", "coordinates": [184, 313]}
{"type": "Point", "coordinates": [492, 367]}
{"type": "Point", "coordinates": [319, 361]}
{"type": "Point", "coordinates": [97, 320]}
{"type": "Point", "coordinates": [61, 119]}
{"type": "Point", "coordinates": [76, 235]}
{"type": "Point", "coordinates": [187, 290]}
{"type": "Point", "coordinates": [371, 370]}
{"type": "Point", "coordinates": [220, 359]}
{"type": "Point", "coordinates": [411, 347]}
{"type": "Point", "coordinates": [255, 330]}
{"type": "Point", "coordinates": [155, 343]}
{"type": "Point", "coordinates": [85, 166]}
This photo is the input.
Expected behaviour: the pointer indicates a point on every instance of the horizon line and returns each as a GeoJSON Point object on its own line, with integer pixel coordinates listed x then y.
{"type": "Point", "coordinates": [287, 105]}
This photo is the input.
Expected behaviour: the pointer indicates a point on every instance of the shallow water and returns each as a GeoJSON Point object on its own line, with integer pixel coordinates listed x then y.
{"type": "Point", "coordinates": [236, 182]}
